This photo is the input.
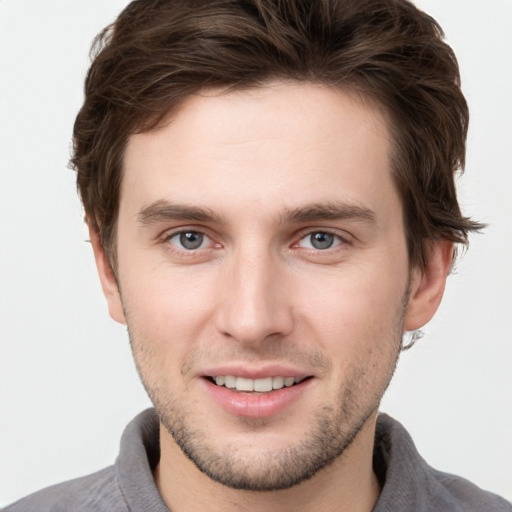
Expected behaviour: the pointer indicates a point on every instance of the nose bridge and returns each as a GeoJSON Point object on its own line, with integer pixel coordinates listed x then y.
{"type": "Point", "coordinates": [253, 305]}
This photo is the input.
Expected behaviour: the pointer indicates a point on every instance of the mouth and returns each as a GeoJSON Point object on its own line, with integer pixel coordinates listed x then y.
{"type": "Point", "coordinates": [261, 397]}
{"type": "Point", "coordinates": [255, 386]}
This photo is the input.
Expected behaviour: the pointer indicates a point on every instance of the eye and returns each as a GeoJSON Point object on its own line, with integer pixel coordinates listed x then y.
{"type": "Point", "coordinates": [189, 240]}
{"type": "Point", "coordinates": [320, 240]}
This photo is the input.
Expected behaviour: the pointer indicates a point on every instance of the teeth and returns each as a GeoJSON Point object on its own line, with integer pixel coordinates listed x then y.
{"type": "Point", "coordinates": [243, 384]}
{"type": "Point", "coordinates": [264, 385]}
{"type": "Point", "coordinates": [229, 381]}
{"type": "Point", "coordinates": [277, 382]}
{"type": "Point", "coordinates": [289, 381]}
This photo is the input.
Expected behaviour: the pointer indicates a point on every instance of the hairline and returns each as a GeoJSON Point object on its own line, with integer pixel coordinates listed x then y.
{"type": "Point", "coordinates": [356, 89]}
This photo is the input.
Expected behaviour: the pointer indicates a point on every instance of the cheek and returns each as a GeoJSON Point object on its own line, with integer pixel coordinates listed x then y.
{"type": "Point", "coordinates": [359, 330]}
{"type": "Point", "coordinates": [167, 310]}
{"type": "Point", "coordinates": [358, 311]}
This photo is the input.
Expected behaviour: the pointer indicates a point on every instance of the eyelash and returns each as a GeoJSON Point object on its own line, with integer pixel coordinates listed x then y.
{"type": "Point", "coordinates": [169, 236]}
{"type": "Point", "coordinates": [338, 240]}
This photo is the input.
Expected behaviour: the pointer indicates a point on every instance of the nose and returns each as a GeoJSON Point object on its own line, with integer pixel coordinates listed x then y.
{"type": "Point", "coordinates": [255, 304]}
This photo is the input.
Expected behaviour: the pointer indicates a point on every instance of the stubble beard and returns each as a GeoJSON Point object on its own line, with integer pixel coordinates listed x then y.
{"type": "Point", "coordinates": [334, 428]}
{"type": "Point", "coordinates": [331, 435]}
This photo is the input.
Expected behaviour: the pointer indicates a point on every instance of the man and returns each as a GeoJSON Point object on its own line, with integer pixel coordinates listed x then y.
{"type": "Point", "coordinates": [270, 197]}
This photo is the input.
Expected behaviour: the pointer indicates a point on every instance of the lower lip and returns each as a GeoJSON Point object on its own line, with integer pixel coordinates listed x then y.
{"type": "Point", "coordinates": [256, 405]}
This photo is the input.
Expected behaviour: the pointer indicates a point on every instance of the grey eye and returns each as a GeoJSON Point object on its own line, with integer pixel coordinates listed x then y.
{"type": "Point", "coordinates": [189, 240]}
{"type": "Point", "coordinates": [320, 240]}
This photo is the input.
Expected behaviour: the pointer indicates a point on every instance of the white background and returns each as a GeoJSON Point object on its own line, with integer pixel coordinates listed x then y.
{"type": "Point", "coordinates": [68, 386]}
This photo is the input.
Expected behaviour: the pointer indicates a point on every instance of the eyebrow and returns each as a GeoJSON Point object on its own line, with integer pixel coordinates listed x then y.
{"type": "Point", "coordinates": [163, 210]}
{"type": "Point", "coordinates": [330, 211]}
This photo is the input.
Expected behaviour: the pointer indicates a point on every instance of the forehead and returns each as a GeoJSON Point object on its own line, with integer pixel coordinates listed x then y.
{"type": "Point", "coordinates": [269, 148]}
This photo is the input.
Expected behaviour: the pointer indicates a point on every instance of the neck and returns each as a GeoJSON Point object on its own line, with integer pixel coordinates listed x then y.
{"type": "Point", "coordinates": [348, 484]}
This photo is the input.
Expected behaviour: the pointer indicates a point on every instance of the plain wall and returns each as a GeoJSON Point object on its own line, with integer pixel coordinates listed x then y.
{"type": "Point", "coordinates": [67, 383]}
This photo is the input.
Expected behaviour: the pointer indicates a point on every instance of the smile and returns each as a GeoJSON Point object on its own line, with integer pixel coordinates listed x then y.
{"type": "Point", "coordinates": [256, 398]}
{"type": "Point", "coordinates": [264, 385]}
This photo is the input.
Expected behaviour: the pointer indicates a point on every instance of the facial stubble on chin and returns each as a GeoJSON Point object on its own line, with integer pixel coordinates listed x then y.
{"type": "Point", "coordinates": [335, 427]}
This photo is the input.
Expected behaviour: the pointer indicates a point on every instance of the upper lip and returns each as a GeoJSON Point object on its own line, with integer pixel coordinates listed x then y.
{"type": "Point", "coordinates": [255, 372]}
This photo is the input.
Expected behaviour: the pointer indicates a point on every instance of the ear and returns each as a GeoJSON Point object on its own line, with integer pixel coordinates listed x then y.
{"type": "Point", "coordinates": [107, 278]}
{"type": "Point", "coordinates": [427, 285]}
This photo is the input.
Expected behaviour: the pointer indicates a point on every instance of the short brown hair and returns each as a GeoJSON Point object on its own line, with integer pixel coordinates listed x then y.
{"type": "Point", "coordinates": [159, 52]}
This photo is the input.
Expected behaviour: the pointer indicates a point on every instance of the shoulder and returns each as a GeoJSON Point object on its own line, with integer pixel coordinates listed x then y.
{"type": "Point", "coordinates": [127, 485]}
{"type": "Point", "coordinates": [462, 495]}
{"type": "Point", "coordinates": [409, 483]}
{"type": "Point", "coordinates": [98, 492]}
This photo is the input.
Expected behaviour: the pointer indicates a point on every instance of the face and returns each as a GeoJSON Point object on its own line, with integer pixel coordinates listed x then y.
{"type": "Point", "coordinates": [263, 276]}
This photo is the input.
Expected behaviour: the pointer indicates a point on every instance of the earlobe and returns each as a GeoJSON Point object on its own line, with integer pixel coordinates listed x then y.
{"type": "Point", "coordinates": [107, 278]}
{"type": "Point", "coordinates": [427, 285]}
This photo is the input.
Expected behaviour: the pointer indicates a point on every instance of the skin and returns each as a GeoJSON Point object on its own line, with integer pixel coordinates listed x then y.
{"type": "Point", "coordinates": [267, 168]}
